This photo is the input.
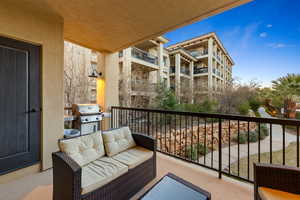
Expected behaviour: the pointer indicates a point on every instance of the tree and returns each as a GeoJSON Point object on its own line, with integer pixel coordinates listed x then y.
{"type": "Point", "coordinates": [235, 99]}
{"type": "Point", "coordinates": [288, 88]}
{"type": "Point", "coordinates": [165, 98]}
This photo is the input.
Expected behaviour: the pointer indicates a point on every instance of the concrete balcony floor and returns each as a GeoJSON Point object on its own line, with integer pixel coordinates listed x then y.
{"type": "Point", "coordinates": [38, 186]}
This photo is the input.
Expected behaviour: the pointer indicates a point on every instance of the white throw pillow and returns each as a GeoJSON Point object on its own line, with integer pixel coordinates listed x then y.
{"type": "Point", "coordinates": [117, 140]}
{"type": "Point", "coordinates": [83, 149]}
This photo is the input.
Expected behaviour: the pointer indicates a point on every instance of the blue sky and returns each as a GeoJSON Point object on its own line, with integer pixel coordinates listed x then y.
{"type": "Point", "coordinates": [262, 37]}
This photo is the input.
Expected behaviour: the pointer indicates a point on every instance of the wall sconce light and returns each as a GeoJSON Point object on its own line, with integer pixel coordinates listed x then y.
{"type": "Point", "coordinates": [94, 73]}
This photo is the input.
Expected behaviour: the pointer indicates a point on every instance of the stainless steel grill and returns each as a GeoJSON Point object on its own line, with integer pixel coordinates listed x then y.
{"type": "Point", "coordinates": [88, 117]}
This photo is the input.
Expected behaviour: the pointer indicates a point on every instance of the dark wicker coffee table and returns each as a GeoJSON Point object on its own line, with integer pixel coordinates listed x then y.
{"type": "Point", "coordinates": [171, 187]}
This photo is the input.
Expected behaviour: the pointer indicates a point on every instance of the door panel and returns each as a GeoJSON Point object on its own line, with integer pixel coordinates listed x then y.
{"type": "Point", "coordinates": [19, 94]}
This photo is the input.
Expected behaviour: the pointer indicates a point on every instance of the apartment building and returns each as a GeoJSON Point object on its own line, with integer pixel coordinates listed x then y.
{"type": "Point", "coordinates": [195, 69]}
{"type": "Point", "coordinates": [141, 67]}
{"type": "Point", "coordinates": [200, 68]}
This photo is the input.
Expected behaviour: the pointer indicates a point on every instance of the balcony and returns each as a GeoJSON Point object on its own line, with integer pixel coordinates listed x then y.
{"type": "Point", "coordinates": [210, 140]}
{"type": "Point", "coordinates": [143, 55]}
{"type": "Point", "coordinates": [120, 54]}
{"type": "Point", "coordinates": [39, 186]}
{"type": "Point", "coordinates": [172, 70]}
{"type": "Point", "coordinates": [217, 167]}
{"type": "Point", "coordinates": [201, 70]}
{"type": "Point", "coordinates": [199, 53]}
{"type": "Point", "coordinates": [183, 70]}
{"type": "Point", "coordinates": [142, 86]}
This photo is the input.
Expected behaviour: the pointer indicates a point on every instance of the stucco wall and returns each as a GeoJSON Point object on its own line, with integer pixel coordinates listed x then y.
{"type": "Point", "coordinates": [22, 23]}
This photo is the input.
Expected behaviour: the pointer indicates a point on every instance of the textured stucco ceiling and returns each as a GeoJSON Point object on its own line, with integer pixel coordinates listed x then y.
{"type": "Point", "coordinates": [111, 25]}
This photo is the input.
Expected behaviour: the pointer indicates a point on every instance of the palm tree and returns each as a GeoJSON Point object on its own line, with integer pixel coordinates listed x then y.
{"type": "Point", "coordinates": [288, 87]}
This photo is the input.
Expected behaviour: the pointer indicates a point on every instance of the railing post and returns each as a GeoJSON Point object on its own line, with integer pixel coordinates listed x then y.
{"type": "Point", "coordinates": [220, 148]}
{"type": "Point", "coordinates": [112, 117]}
{"type": "Point", "coordinates": [148, 123]}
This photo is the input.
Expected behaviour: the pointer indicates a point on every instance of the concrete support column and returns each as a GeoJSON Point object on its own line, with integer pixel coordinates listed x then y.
{"type": "Point", "coordinates": [168, 72]}
{"type": "Point", "coordinates": [210, 66]}
{"type": "Point", "coordinates": [177, 75]}
{"type": "Point", "coordinates": [108, 84]}
{"type": "Point", "coordinates": [126, 77]}
{"type": "Point", "coordinates": [160, 62]}
{"type": "Point", "coordinates": [192, 81]}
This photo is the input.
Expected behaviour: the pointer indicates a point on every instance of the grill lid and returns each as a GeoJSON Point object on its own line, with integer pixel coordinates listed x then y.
{"type": "Point", "coordinates": [85, 109]}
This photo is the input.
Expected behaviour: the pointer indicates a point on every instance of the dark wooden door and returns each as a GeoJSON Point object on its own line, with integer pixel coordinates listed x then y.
{"type": "Point", "coordinates": [20, 108]}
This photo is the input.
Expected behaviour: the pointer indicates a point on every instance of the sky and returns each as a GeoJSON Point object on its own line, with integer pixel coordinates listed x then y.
{"type": "Point", "coordinates": [262, 37]}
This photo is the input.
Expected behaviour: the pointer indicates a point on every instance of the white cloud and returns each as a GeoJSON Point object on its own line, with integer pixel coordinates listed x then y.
{"type": "Point", "coordinates": [277, 45]}
{"type": "Point", "coordinates": [269, 26]}
{"type": "Point", "coordinates": [248, 32]}
{"type": "Point", "coordinates": [263, 35]}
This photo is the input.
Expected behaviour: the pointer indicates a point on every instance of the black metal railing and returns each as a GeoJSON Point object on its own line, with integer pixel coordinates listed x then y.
{"type": "Point", "coordinates": [172, 69]}
{"type": "Point", "coordinates": [200, 70]}
{"type": "Point", "coordinates": [199, 53]}
{"type": "Point", "coordinates": [227, 144]}
{"type": "Point", "coordinates": [185, 71]}
{"type": "Point", "coordinates": [143, 55]}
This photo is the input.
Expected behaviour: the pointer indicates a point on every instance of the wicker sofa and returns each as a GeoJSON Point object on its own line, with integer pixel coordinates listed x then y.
{"type": "Point", "coordinates": [114, 164]}
{"type": "Point", "coordinates": [273, 182]}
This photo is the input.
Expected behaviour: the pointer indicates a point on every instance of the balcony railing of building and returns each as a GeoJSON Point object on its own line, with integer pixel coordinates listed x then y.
{"type": "Point", "coordinates": [172, 69]}
{"type": "Point", "coordinates": [183, 70]}
{"type": "Point", "coordinates": [200, 70]}
{"type": "Point", "coordinates": [228, 144]}
{"type": "Point", "coordinates": [143, 55]}
{"type": "Point", "coordinates": [120, 54]}
{"type": "Point", "coordinates": [199, 53]}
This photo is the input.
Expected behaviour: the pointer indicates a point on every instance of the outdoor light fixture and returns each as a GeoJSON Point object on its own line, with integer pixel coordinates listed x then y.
{"type": "Point", "coordinates": [94, 73]}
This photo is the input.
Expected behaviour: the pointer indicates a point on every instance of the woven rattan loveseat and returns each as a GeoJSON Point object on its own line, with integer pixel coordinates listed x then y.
{"type": "Point", "coordinates": [276, 182]}
{"type": "Point", "coordinates": [114, 164]}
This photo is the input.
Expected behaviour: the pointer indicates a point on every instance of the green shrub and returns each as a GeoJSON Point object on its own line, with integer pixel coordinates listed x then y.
{"type": "Point", "coordinates": [253, 135]}
{"type": "Point", "coordinates": [264, 131]}
{"type": "Point", "coordinates": [241, 138]}
{"type": "Point", "coordinates": [202, 149]}
{"type": "Point", "coordinates": [208, 106]}
{"type": "Point", "coordinates": [191, 153]}
{"type": "Point", "coordinates": [198, 149]}
{"type": "Point", "coordinates": [244, 108]}
{"type": "Point", "coordinates": [298, 115]}
{"type": "Point", "coordinates": [254, 104]}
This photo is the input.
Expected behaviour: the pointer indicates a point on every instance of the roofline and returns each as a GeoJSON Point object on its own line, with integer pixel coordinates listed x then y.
{"type": "Point", "coordinates": [182, 51]}
{"type": "Point", "coordinates": [214, 34]}
{"type": "Point", "coordinates": [163, 39]}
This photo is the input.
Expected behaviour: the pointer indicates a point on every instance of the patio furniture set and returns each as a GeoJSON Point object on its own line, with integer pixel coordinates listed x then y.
{"type": "Point", "coordinates": [116, 164]}
{"type": "Point", "coordinates": [113, 164]}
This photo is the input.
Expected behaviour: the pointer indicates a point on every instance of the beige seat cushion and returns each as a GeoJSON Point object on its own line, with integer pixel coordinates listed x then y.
{"type": "Point", "coordinates": [271, 194]}
{"type": "Point", "coordinates": [84, 149]}
{"type": "Point", "coordinates": [134, 156]}
{"type": "Point", "coordinates": [100, 172]}
{"type": "Point", "coordinates": [117, 140]}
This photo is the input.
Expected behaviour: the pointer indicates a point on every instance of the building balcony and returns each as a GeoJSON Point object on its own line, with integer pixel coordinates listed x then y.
{"type": "Point", "coordinates": [199, 53]}
{"type": "Point", "coordinates": [201, 70]}
{"type": "Point", "coordinates": [143, 86]}
{"type": "Point", "coordinates": [183, 70]}
{"type": "Point", "coordinates": [39, 186]}
{"type": "Point", "coordinates": [143, 55]}
{"type": "Point", "coordinates": [222, 166]}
